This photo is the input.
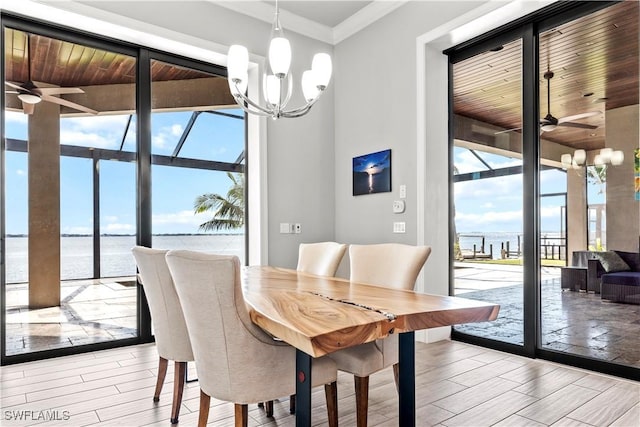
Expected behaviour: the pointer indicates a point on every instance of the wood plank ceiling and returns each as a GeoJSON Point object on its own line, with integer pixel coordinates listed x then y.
{"type": "Point", "coordinates": [595, 64]}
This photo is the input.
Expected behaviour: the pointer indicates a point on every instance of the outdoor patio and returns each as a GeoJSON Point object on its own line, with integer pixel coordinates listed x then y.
{"type": "Point", "coordinates": [574, 322]}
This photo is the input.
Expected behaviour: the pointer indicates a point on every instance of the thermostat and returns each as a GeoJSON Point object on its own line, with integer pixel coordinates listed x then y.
{"type": "Point", "coordinates": [398, 206]}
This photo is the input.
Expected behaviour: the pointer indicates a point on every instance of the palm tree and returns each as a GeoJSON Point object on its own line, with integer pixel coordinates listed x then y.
{"type": "Point", "coordinates": [228, 211]}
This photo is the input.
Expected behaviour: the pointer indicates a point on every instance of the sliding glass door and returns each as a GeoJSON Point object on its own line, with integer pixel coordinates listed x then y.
{"type": "Point", "coordinates": [488, 187]}
{"type": "Point", "coordinates": [545, 205]}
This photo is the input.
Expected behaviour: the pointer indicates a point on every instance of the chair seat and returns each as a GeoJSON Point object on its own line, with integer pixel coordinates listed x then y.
{"type": "Point", "coordinates": [360, 360]}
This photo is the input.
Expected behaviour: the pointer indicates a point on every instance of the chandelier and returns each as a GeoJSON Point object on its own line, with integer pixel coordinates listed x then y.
{"type": "Point", "coordinates": [277, 85]}
{"type": "Point", "coordinates": [606, 156]}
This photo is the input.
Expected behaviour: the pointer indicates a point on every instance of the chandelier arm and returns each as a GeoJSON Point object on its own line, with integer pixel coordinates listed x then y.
{"type": "Point", "coordinates": [301, 110]}
{"type": "Point", "coordinates": [258, 109]}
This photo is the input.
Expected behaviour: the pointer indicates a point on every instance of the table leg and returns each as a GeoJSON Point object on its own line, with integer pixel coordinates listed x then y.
{"type": "Point", "coordinates": [407, 379]}
{"type": "Point", "coordinates": [303, 389]}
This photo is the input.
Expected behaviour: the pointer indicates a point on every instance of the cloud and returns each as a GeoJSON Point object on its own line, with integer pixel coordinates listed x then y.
{"type": "Point", "coordinates": [176, 130]}
{"type": "Point", "coordinates": [115, 228]}
{"type": "Point", "coordinates": [21, 172]}
{"type": "Point", "coordinates": [95, 131]}
{"type": "Point", "coordinates": [167, 136]}
{"type": "Point", "coordinates": [15, 117]}
{"type": "Point", "coordinates": [181, 217]}
{"type": "Point", "coordinates": [77, 230]}
{"type": "Point", "coordinates": [111, 218]}
{"type": "Point", "coordinates": [466, 162]}
{"type": "Point", "coordinates": [490, 217]}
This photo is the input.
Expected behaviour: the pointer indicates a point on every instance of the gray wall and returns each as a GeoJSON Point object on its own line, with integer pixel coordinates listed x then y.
{"type": "Point", "coordinates": [300, 151]}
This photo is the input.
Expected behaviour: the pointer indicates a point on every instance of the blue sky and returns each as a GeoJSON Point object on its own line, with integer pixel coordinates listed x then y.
{"type": "Point", "coordinates": [173, 189]}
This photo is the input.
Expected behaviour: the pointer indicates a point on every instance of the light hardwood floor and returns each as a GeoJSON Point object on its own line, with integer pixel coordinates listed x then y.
{"type": "Point", "coordinates": [456, 385]}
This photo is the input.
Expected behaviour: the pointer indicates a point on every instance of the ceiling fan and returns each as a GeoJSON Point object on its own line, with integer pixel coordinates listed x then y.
{"type": "Point", "coordinates": [30, 93]}
{"type": "Point", "coordinates": [550, 123]}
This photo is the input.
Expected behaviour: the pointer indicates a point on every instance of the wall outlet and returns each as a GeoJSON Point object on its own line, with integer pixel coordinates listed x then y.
{"type": "Point", "coordinates": [285, 228]}
{"type": "Point", "coordinates": [297, 228]}
{"type": "Point", "coordinates": [399, 227]}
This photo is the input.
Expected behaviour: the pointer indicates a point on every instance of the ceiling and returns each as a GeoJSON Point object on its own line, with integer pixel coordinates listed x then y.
{"type": "Point", "coordinates": [329, 13]}
{"type": "Point", "coordinates": [595, 64]}
{"type": "Point", "coordinates": [594, 60]}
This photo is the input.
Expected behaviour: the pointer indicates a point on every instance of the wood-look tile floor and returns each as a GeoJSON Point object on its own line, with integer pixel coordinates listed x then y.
{"type": "Point", "coordinates": [456, 385]}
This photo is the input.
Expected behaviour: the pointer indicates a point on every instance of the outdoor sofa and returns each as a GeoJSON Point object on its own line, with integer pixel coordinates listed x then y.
{"type": "Point", "coordinates": [616, 274]}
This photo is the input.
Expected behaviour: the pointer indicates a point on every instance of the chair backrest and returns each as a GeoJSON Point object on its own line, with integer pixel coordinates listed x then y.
{"type": "Point", "coordinates": [321, 258]}
{"type": "Point", "coordinates": [169, 327]}
{"type": "Point", "coordinates": [230, 361]}
{"type": "Point", "coordinates": [393, 265]}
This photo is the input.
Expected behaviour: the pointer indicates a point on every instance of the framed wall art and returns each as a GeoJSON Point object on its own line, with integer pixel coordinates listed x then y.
{"type": "Point", "coordinates": [372, 173]}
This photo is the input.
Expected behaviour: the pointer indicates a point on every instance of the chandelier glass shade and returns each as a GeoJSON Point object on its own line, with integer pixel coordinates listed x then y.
{"type": "Point", "coordinates": [604, 157]}
{"type": "Point", "coordinates": [277, 84]}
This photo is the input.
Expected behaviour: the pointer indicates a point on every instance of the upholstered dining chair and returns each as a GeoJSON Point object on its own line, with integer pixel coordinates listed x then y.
{"type": "Point", "coordinates": [322, 259]}
{"type": "Point", "coordinates": [236, 360]}
{"type": "Point", "coordinates": [389, 264]}
{"type": "Point", "coordinates": [170, 330]}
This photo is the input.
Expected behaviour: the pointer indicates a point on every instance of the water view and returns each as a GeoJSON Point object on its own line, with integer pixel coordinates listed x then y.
{"type": "Point", "coordinates": [116, 259]}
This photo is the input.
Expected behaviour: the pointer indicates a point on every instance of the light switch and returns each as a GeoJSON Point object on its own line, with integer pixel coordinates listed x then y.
{"type": "Point", "coordinates": [403, 191]}
{"type": "Point", "coordinates": [285, 228]}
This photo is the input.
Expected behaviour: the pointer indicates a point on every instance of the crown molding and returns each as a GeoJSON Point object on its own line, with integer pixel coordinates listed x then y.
{"type": "Point", "coordinates": [290, 21]}
{"type": "Point", "coordinates": [364, 17]}
{"type": "Point", "coordinates": [306, 27]}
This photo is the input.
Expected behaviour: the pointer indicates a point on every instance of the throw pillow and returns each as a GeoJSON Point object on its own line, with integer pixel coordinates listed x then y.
{"type": "Point", "coordinates": [612, 262]}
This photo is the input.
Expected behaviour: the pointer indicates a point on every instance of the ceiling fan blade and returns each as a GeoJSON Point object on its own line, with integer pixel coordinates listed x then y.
{"type": "Point", "coordinates": [59, 90]}
{"type": "Point", "coordinates": [577, 125]}
{"type": "Point", "coordinates": [28, 108]}
{"type": "Point", "coordinates": [14, 85]}
{"type": "Point", "coordinates": [69, 104]}
{"type": "Point", "coordinates": [579, 116]}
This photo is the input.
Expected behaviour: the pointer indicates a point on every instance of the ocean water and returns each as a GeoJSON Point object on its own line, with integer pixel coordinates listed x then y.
{"type": "Point", "coordinates": [116, 259]}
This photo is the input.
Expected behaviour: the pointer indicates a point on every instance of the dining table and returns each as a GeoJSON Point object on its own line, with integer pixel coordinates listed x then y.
{"type": "Point", "coordinates": [319, 315]}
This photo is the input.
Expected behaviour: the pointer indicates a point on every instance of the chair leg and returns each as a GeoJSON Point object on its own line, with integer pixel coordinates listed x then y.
{"type": "Point", "coordinates": [396, 376]}
{"type": "Point", "coordinates": [162, 372]}
{"type": "Point", "coordinates": [292, 404]}
{"type": "Point", "coordinates": [331, 394]}
{"type": "Point", "coordinates": [242, 414]}
{"type": "Point", "coordinates": [268, 408]}
{"type": "Point", "coordinates": [179, 375]}
{"type": "Point", "coordinates": [205, 401]}
{"type": "Point", "coordinates": [362, 400]}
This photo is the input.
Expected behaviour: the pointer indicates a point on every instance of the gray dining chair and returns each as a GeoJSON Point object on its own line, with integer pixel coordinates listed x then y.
{"type": "Point", "coordinates": [169, 327]}
{"type": "Point", "coordinates": [392, 265]}
{"type": "Point", "coordinates": [236, 360]}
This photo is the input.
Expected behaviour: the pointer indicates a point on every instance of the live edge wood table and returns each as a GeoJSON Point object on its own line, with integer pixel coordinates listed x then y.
{"type": "Point", "coordinates": [320, 315]}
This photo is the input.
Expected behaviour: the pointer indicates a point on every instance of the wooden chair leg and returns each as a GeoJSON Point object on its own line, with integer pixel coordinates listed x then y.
{"type": "Point", "coordinates": [396, 376]}
{"type": "Point", "coordinates": [331, 394]}
{"type": "Point", "coordinates": [268, 408]}
{"type": "Point", "coordinates": [180, 373]}
{"type": "Point", "coordinates": [362, 400]}
{"type": "Point", "coordinates": [205, 401]}
{"type": "Point", "coordinates": [242, 414]}
{"type": "Point", "coordinates": [292, 404]}
{"type": "Point", "coordinates": [162, 372]}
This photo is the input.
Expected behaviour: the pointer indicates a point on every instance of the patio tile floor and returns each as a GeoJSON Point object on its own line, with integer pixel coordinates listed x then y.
{"type": "Point", "coordinates": [572, 322]}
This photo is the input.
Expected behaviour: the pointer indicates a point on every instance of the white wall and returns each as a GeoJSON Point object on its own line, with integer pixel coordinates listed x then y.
{"type": "Point", "coordinates": [300, 170]}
